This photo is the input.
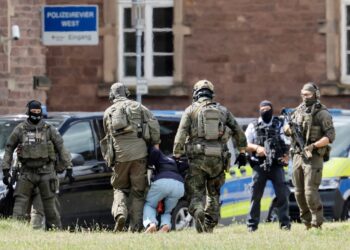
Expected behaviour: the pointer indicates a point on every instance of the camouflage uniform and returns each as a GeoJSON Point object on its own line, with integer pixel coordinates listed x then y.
{"type": "Point", "coordinates": [129, 178]}
{"type": "Point", "coordinates": [37, 215]}
{"type": "Point", "coordinates": [307, 173]}
{"type": "Point", "coordinates": [37, 145]}
{"type": "Point", "coordinates": [206, 172]}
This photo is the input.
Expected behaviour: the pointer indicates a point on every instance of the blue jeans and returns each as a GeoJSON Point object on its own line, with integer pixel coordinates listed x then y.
{"type": "Point", "coordinates": [168, 189]}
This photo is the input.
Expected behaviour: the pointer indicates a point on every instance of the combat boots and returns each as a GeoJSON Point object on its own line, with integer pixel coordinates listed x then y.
{"type": "Point", "coordinates": [199, 219]}
{"type": "Point", "coordinates": [119, 223]}
{"type": "Point", "coordinates": [209, 223]}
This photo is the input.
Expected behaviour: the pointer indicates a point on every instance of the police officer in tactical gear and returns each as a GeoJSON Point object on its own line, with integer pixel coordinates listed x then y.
{"type": "Point", "coordinates": [316, 126]}
{"type": "Point", "coordinates": [37, 144]}
{"type": "Point", "coordinates": [268, 148]}
{"type": "Point", "coordinates": [202, 134]}
{"type": "Point", "coordinates": [132, 127]}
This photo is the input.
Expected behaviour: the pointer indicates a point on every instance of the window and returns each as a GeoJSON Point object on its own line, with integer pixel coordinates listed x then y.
{"type": "Point", "coordinates": [6, 128]}
{"type": "Point", "coordinates": [345, 41]}
{"type": "Point", "coordinates": [157, 44]}
{"type": "Point", "coordinates": [79, 139]}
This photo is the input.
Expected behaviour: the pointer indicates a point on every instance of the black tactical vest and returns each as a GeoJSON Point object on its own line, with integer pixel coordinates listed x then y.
{"type": "Point", "coordinates": [270, 134]}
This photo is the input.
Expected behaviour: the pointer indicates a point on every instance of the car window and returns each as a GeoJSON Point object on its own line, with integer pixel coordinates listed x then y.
{"type": "Point", "coordinates": [100, 128]}
{"type": "Point", "coordinates": [79, 139]}
{"type": "Point", "coordinates": [6, 128]}
{"type": "Point", "coordinates": [168, 131]}
{"type": "Point", "coordinates": [54, 122]}
{"type": "Point", "coordinates": [341, 144]}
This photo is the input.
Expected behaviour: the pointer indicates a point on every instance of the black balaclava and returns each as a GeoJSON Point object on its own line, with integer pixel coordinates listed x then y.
{"type": "Point", "coordinates": [313, 89]}
{"type": "Point", "coordinates": [32, 117]}
{"type": "Point", "coordinates": [266, 116]}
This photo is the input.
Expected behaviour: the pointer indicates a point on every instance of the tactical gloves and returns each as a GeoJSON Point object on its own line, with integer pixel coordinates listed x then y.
{"type": "Point", "coordinates": [308, 150]}
{"type": "Point", "coordinates": [69, 175]}
{"type": "Point", "coordinates": [241, 160]}
{"type": "Point", "coordinates": [7, 177]}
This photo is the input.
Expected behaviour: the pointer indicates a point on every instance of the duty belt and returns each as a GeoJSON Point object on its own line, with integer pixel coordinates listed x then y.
{"type": "Point", "coordinates": [45, 168]}
{"type": "Point", "coordinates": [207, 150]}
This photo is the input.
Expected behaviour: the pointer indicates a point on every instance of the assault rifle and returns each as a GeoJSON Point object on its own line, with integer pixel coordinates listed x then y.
{"type": "Point", "coordinates": [14, 176]}
{"type": "Point", "coordinates": [296, 135]}
{"type": "Point", "coordinates": [15, 172]}
{"type": "Point", "coordinates": [270, 154]}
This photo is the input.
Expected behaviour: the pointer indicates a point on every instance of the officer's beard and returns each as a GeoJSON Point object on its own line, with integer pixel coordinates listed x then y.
{"type": "Point", "coordinates": [34, 118]}
{"type": "Point", "coordinates": [310, 101]}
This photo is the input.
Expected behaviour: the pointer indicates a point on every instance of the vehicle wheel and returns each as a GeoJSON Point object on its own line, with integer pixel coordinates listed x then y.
{"type": "Point", "coordinates": [346, 211]}
{"type": "Point", "coordinates": [180, 217]}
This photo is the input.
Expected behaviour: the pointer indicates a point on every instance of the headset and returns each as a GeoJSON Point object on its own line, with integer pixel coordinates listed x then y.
{"type": "Point", "coordinates": [127, 92]}
{"type": "Point", "coordinates": [125, 89]}
{"type": "Point", "coordinates": [317, 93]}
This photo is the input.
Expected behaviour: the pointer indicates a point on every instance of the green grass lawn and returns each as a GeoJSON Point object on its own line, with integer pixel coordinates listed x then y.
{"type": "Point", "coordinates": [333, 236]}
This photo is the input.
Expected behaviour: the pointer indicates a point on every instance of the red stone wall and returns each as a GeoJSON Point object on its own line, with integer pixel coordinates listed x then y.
{"type": "Point", "coordinates": [251, 50]}
{"type": "Point", "coordinates": [3, 60]}
{"type": "Point", "coordinates": [255, 50]}
{"type": "Point", "coordinates": [75, 72]}
{"type": "Point", "coordinates": [26, 57]}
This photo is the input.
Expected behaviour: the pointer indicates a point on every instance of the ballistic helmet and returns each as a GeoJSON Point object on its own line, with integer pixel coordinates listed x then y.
{"type": "Point", "coordinates": [203, 84]}
{"type": "Point", "coordinates": [203, 88]}
{"type": "Point", "coordinates": [118, 89]}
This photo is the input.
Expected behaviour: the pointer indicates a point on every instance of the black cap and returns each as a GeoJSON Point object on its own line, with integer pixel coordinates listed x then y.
{"type": "Point", "coordinates": [34, 105]}
{"type": "Point", "coordinates": [265, 103]}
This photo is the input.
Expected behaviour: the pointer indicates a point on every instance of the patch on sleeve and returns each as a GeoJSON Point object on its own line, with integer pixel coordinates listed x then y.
{"type": "Point", "coordinates": [327, 124]}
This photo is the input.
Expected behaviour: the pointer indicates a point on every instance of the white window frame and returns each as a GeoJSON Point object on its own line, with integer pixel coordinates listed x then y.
{"type": "Point", "coordinates": [345, 78]}
{"type": "Point", "coordinates": [148, 43]}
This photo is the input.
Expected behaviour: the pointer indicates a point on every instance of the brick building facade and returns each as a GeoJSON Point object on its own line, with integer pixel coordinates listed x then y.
{"type": "Point", "coordinates": [20, 60]}
{"type": "Point", "coordinates": [250, 50]}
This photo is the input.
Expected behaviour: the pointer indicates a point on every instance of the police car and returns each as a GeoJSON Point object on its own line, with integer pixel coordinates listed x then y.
{"type": "Point", "coordinates": [334, 188]}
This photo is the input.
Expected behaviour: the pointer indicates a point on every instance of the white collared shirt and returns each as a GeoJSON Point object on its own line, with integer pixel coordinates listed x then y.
{"type": "Point", "coordinates": [250, 132]}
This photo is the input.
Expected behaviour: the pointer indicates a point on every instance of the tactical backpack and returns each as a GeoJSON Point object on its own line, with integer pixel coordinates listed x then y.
{"type": "Point", "coordinates": [126, 119]}
{"type": "Point", "coordinates": [130, 118]}
{"type": "Point", "coordinates": [210, 121]}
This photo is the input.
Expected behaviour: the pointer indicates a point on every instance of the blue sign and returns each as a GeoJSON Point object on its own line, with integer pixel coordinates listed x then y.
{"type": "Point", "coordinates": [70, 25]}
